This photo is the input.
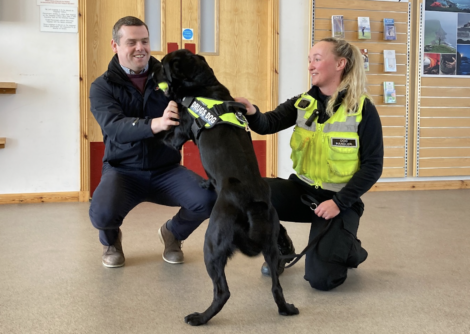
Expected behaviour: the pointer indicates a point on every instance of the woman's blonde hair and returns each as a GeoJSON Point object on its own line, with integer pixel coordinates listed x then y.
{"type": "Point", "coordinates": [353, 79]}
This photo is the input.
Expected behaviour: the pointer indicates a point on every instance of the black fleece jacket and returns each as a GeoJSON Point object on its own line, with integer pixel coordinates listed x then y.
{"type": "Point", "coordinates": [124, 115]}
{"type": "Point", "coordinates": [371, 150]}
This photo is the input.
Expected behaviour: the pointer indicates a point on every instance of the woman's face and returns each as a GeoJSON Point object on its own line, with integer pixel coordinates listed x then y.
{"type": "Point", "coordinates": [324, 68]}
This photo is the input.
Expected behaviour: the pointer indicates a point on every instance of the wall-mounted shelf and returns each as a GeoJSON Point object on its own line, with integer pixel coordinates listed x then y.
{"type": "Point", "coordinates": [7, 88]}
{"type": "Point", "coordinates": [2, 142]}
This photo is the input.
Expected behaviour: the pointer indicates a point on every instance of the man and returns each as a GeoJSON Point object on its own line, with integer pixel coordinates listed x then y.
{"type": "Point", "coordinates": [137, 167]}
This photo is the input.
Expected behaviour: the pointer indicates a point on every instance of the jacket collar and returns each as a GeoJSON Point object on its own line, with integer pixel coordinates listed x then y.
{"type": "Point", "coordinates": [117, 75]}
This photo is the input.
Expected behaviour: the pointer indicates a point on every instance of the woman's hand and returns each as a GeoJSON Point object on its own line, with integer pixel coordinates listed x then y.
{"type": "Point", "coordinates": [250, 110]}
{"type": "Point", "coordinates": [169, 119]}
{"type": "Point", "coordinates": [327, 210]}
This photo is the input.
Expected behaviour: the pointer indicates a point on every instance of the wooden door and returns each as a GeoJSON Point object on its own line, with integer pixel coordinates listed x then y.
{"type": "Point", "coordinates": [245, 62]}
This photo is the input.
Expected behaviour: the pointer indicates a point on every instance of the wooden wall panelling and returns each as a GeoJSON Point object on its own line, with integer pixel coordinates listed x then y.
{"type": "Point", "coordinates": [190, 19]}
{"type": "Point", "coordinates": [96, 20]}
{"type": "Point", "coordinates": [171, 23]}
{"type": "Point", "coordinates": [394, 117]}
{"type": "Point", "coordinates": [443, 145]}
{"type": "Point", "coordinates": [273, 84]}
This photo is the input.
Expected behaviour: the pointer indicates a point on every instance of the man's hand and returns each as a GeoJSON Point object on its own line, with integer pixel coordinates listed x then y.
{"type": "Point", "coordinates": [327, 210]}
{"type": "Point", "coordinates": [169, 119]}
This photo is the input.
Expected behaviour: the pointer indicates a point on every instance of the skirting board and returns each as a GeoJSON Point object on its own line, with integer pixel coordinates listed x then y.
{"type": "Point", "coordinates": [77, 196]}
{"type": "Point", "coordinates": [39, 198]}
{"type": "Point", "coordinates": [421, 185]}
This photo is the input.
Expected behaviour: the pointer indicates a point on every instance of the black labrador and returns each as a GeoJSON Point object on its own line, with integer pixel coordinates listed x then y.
{"type": "Point", "coordinates": [243, 217]}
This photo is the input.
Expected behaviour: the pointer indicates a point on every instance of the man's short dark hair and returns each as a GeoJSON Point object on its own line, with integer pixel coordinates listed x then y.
{"type": "Point", "coordinates": [126, 21]}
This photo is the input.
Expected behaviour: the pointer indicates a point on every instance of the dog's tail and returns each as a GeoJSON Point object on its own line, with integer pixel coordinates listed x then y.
{"type": "Point", "coordinates": [258, 217]}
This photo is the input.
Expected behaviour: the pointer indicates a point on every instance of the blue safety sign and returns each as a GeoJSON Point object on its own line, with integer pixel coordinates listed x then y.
{"type": "Point", "coordinates": [188, 34]}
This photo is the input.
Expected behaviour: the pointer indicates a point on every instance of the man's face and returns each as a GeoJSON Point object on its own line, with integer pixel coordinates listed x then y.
{"type": "Point", "coordinates": [133, 49]}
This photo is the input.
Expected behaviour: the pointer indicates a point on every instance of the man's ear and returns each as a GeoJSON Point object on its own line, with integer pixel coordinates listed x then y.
{"type": "Point", "coordinates": [114, 46]}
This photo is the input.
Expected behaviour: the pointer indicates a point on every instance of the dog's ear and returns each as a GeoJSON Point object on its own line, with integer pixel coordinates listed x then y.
{"type": "Point", "coordinates": [158, 75]}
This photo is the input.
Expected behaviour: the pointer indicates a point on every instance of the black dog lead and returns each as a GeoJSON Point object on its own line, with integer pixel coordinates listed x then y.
{"type": "Point", "coordinates": [312, 203]}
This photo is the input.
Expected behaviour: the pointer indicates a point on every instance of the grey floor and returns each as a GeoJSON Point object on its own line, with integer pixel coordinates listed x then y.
{"type": "Point", "coordinates": [416, 279]}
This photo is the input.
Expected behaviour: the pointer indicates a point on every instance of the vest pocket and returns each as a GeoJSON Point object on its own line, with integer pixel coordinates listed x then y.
{"type": "Point", "coordinates": [342, 167]}
{"type": "Point", "coordinates": [302, 149]}
{"type": "Point", "coordinates": [342, 161]}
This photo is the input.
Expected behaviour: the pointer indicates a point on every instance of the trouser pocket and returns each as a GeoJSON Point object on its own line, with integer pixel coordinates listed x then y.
{"type": "Point", "coordinates": [340, 244]}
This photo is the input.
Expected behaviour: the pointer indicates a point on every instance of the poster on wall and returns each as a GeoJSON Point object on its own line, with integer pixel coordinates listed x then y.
{"type": "Point", "coordinates": [59, 19]}
{"type": "Point", "coordinates": [446, 38]}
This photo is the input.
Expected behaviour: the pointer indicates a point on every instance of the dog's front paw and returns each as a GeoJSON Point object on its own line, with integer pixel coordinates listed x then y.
{"type": "Point", "coordinates": [288, 309]}
{"type": "Point", "coordinates": [194, 319]}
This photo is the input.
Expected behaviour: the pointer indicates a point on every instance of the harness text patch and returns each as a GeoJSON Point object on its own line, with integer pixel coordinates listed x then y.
{"type": "Point", "coordinates": [203, 112]}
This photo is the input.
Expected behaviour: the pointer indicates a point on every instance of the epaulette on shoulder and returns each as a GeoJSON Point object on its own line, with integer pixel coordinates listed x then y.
{"type": "Point", "coordinates": [296, 97]}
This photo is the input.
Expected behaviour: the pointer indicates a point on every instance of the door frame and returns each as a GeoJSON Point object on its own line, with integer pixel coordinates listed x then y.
{"type": "Point", "coordinates": [273, 78]}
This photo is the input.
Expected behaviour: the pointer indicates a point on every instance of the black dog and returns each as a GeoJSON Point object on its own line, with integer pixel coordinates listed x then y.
{"type": "Point", "coordinates": [243, 217]}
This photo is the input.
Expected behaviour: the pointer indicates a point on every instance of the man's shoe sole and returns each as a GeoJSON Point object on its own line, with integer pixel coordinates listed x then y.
{"type": "Point", "coordinates": [113, 265]}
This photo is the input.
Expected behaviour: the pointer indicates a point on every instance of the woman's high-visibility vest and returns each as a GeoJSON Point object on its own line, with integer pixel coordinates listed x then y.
{"type": "Point", "coordinates": [325, 155]}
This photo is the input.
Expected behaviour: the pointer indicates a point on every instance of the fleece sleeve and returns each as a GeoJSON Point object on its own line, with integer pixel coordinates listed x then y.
{"type": "Point", "coordinates": [283, 117]}
{"type": "Point", "coordinates": [111, 117]}
{"type": "Point", "coordinates": [371, 153]}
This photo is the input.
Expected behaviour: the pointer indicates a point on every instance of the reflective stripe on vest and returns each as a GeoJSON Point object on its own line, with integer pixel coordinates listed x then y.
{"type": "Point", "coordinates": [326, 155]}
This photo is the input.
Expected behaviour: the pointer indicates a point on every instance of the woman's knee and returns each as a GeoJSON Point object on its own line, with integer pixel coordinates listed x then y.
{"type": "Point", "coordinates": [325, 283]}
{"type": "Point", "coordinates": [324, 275]}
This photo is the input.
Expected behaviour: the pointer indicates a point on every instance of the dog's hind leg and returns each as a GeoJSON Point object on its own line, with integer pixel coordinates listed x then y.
{"type": "Point", "coordinates": [283, 307]}
{"type": "Point", "coordinates": [271, 256]}
{"type": "Point", "coordinates": [217, 250]}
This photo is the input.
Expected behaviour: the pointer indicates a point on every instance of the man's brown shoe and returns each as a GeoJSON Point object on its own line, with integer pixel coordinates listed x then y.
{"type": "Point", "coordinates": [113, 256]}
{"type": "Point", "coordinates": [172, 252]}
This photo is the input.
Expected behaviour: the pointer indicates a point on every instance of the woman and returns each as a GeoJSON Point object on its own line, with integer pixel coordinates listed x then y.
{"type": "Point", "coordinates": [337, 153]}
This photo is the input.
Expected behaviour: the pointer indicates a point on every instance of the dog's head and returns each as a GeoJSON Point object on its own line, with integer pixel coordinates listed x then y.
{"type": "Point", "coordinates": [185, 74]}
{"type": "Point", "coordinates": [180, 74]}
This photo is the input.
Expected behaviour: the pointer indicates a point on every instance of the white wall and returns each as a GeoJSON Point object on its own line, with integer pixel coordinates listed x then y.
{"type": "Point", "coordinates": [40, 121]}
{"type": "Point", "coordinates": [294, 44]}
